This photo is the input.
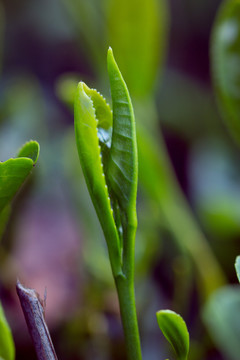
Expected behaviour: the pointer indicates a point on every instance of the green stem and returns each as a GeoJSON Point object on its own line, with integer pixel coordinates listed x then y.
{"type": "Point", "coordinates": [126, 296]}
{"type": "Point", "coordinates": [125, 290]}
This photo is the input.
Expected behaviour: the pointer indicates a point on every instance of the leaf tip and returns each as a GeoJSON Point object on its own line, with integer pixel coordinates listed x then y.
{"type": "Point", "coordinates": [110, 56]}
{"type": "Point", "coordinates": [31, 150]}
{"type": "Point", "coordinates": [110, 51]}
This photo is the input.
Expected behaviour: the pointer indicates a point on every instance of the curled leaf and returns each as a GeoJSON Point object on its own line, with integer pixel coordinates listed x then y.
{"type": "Point", "coordinates": [175, 331]}
{"type": "Point", "coordinates": [93, 122]}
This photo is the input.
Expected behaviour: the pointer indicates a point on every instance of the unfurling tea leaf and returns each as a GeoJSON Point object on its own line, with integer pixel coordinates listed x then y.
{"type": "Point", "coordinates": [92, 152]}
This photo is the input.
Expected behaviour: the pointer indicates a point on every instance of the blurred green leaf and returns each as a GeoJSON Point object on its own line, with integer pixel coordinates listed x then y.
{"type": "Point", "coordinates": [66, 88]}
{"type": "Point", "coordinates": [191, 113]}
{"type": "Point", "coordinates": [175, 331]}
{"type": "Point", "coordinates": [137, 30]}
{"type": "Point", "coordinates": [13, 172]}
{"type": "Point", "coordinates": [215, 190]}
{"type": "Point", "coordinates": [22, 111]}
{"type": "Point", "coordinates": [225, 58]}
{"type": "Point", "coordinates": [237, 267]}
{"type": "Point", "coordinates": [158, 180]}
{"type": "Point", "coordinates": [222, 318]}
{"type": "Point", "coordinates": [87, 17]}
{"type": "Point", "coordinates": [7, 349]}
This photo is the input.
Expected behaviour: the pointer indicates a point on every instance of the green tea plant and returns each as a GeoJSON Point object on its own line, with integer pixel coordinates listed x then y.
{"type": "Point", "coordinates": [156, 175]}
{"type": "Point", "coordinates": [13, 173]}
{"type": "Point", "coordinates": [108, 154]}
{"type": "Point", "coordinates": [107, 148]}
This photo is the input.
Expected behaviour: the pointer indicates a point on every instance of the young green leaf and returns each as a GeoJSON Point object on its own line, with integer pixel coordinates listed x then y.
{"type": "Point", "coordinates": [175, 331]}
{"type": "Point", "coordinates": [123, 164]}
{"type": "Point", "coordinates": [225, 57]}
{"type": "Point", "coordinates": [7, 349]}
{"type": "Point", "coordinates": [237, 267]}
{"type": "Point", "coordinates": [93, 122]}
{"type": "Point", "coordinates": [13, 172]}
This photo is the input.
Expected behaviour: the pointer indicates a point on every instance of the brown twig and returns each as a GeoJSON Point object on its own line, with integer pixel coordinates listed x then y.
{"type": "Point", "coordinates": [33, 309]}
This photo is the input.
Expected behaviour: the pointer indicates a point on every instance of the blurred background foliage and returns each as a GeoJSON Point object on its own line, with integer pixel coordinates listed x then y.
{"type": "Point", "coordinates": [188, 201]}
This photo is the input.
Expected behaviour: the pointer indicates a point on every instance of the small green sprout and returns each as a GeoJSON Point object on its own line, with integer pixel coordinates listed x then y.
{"type": "Point", "coordinates": [175, 331]}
